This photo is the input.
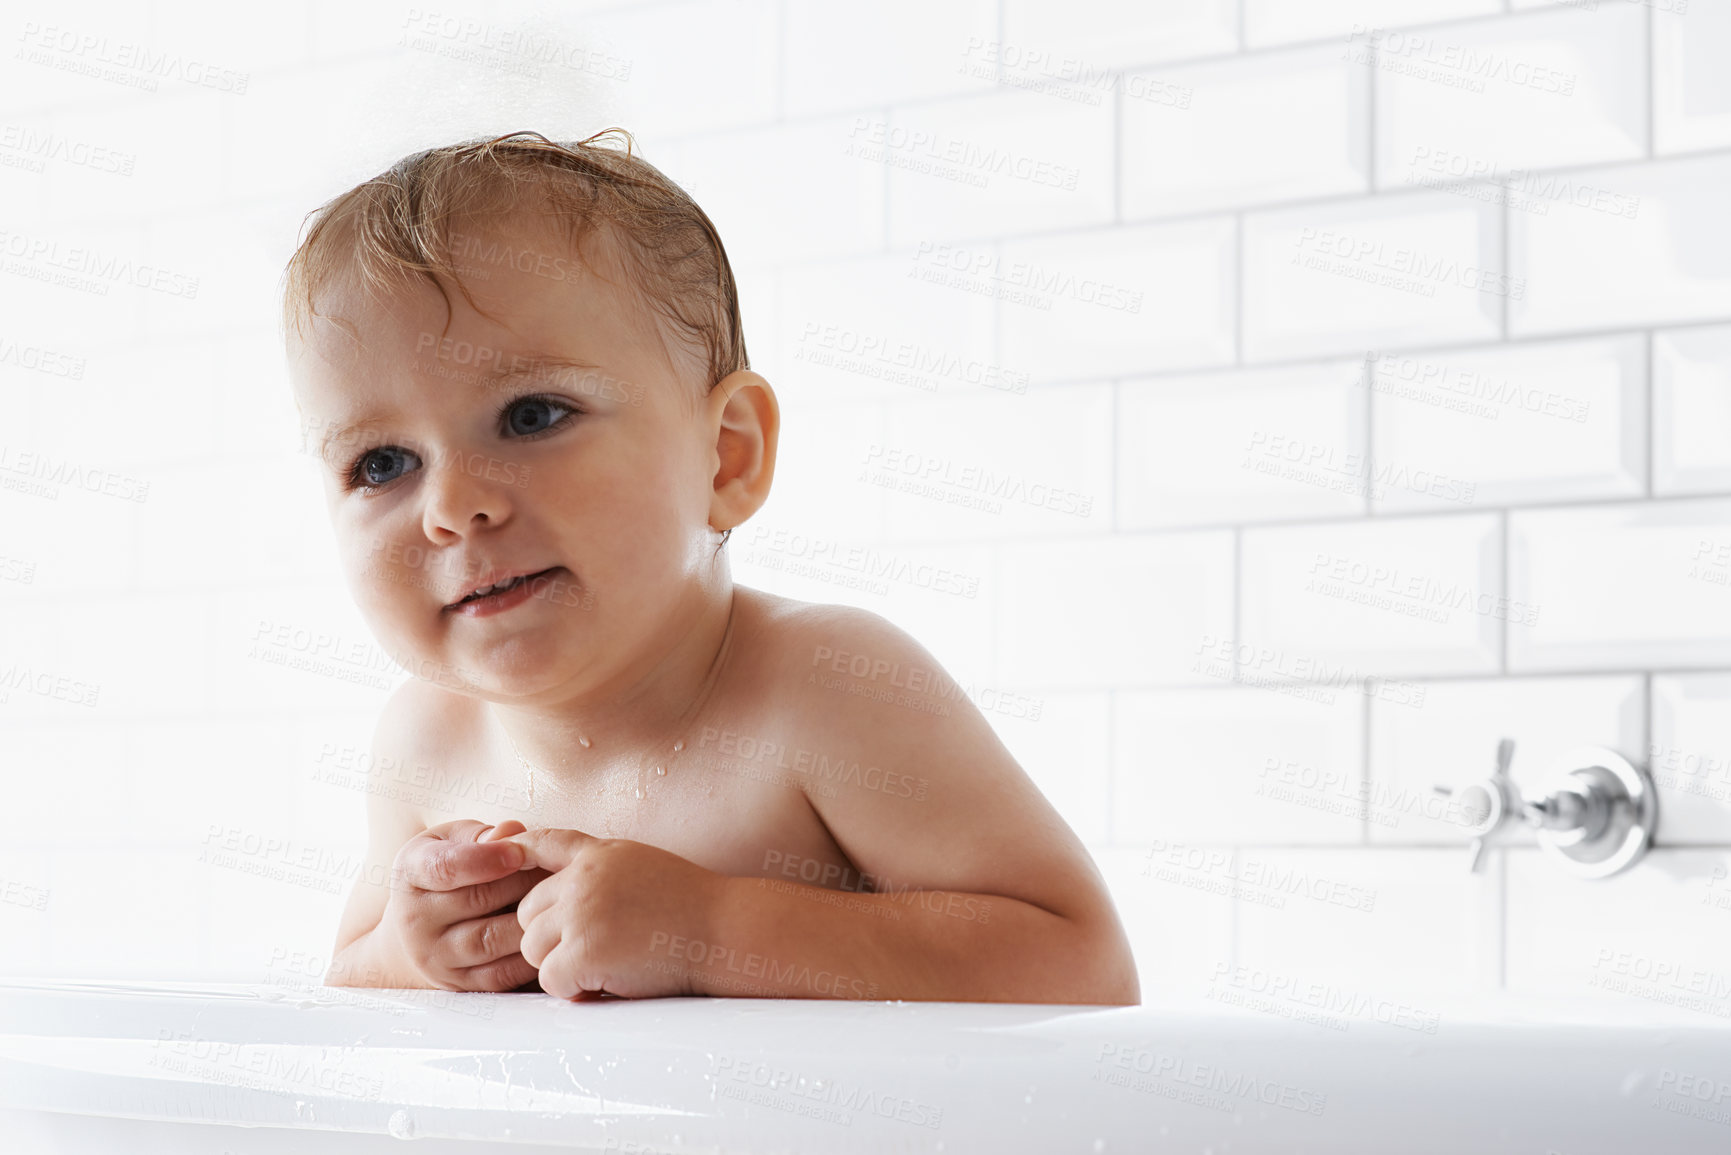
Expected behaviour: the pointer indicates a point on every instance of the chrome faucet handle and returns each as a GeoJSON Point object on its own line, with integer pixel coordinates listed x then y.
{"type": "Point", "coordinates": [1597, 814]}
{"type": "Point", "coordinates": [1486, 805]}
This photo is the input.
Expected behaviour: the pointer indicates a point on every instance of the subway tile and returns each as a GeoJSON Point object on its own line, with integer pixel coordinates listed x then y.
{"type": "Point", "coordinates": [1691, 91]}
{"type": "Point", "coordinates": [840, 57]}
{"type": "Point", "coordinates": [1084, 37]}
{"type": "Point", "coordinates": [1270, 127]}
{"type": "Point", "coordinates": [1220, 766]}
{"type": "Point", "coordinates": [998, 465]}
{"type": "Point", "coordinates": [1656, 936]}
{"type": "Point", "coordinates": [1063, 742]}
{"type": "Point", "coordinates": [1396, 598]}
{"type": "Point", "coordinates": [1225, 447]}
{"type": "Point", "coordinates": [1106, 302]}
{"type": "Point", "coordinates": [816, 487]}
{"type": "Point", "coordinates": [1119, 612]}
{"type": "Point", "coordinates": [1453, 739]}
{"type": "Point", "coordinates": [1510, 424]}
{"type": "Point", "coordinates": [1178, 934]}
{"type": "Point", "coordinates": [874, 329]}
{"type": "Point", "coordinates": [1494, 100]}
{"type": "Point", "coordinates": [64, 665]}
{"type": "Point", "coordinates": [1621, 587]}
{"type": "Point", "coordinates": [1347, 277]}
{"type": "Point", "coordinates": [783, 193]}
{"type": "Point", "coordinates": [1691, 757]}
{"type": "Point", "coordinates": [984, 166]}
{"type": "Point", "coordinates": [1279, 21]}
{"type": "Point", "coordinates": [1691, 410]}
{"type": "Point", "coordinates": [1385, 923]}
{"type": "Point", "coordinates": [1652, 252]}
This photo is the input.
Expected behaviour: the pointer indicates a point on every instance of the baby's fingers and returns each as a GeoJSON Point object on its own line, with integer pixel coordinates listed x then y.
{"type": "Point", "coordinates": [479, 941]}
{"type": "Point", "coordinates": [447, 859]}
{"type": "Point", "coordinates": [512, 973]}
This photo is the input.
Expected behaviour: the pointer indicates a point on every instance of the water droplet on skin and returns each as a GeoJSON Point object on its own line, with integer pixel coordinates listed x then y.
{"type": "Point", "coordinates": [640, 792]}
{"type": "Point", "coordinates": [402, 1125]}
{"type": "Point", "coordinates": [661, 770]}
{"type": "Point", "coordinates": [583, 741]}
{"type": "Point", "coordinates": [678, 746]}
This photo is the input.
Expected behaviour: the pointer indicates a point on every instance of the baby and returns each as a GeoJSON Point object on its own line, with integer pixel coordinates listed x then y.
{"type": "Point", "coordinates": [522, 368]}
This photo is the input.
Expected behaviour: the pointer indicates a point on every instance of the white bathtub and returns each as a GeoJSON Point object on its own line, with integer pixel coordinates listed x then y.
{"type": "Point", "coordinates": [161, 1067]}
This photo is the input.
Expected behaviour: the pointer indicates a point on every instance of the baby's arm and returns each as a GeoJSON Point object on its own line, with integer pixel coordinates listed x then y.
{"type": "Point", "coordinates": [985, 894]}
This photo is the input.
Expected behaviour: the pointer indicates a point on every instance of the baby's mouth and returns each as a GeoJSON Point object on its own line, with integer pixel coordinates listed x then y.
{"type": "Point", "coordinates": [501, 588]}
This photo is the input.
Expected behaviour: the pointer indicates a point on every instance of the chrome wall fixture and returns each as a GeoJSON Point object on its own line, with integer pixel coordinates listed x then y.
{"type": "Point", "coordinates": [1596, 812]}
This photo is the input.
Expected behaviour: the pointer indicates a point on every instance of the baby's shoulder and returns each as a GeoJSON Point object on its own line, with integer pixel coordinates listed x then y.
{"type": "Point", "coordinates": [852, 666]}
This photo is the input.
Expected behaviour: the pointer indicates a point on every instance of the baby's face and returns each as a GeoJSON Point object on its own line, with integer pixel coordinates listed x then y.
{"type": "Point", "coordinates": [553, 433]}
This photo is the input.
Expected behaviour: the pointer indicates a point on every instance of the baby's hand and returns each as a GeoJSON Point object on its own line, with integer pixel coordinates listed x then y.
{"type": "Point", "coordinates": [594, 925]}
{"type": "Point", "coordinates": [451, 913]}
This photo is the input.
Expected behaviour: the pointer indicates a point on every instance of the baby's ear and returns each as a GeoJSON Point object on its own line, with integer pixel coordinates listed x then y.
{"type": "Point", "coordinates": [748, 429]}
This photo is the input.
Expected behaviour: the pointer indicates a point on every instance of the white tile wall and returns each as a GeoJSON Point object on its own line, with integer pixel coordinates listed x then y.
{"type": "Point", "coordinates": [1222, 447]}
{"type": "Point", "coordinates": [1663, 566]}
{"type": "Point", "coordinates": [1280, 126]}
{"type": "Point", "coordinates": [1489, 101]}
{"type": "Point", "coordinates": [1691, 404]}
{"type": "Point", "coordinates": [1516, 423]}
{"type": "Point", "coordinates": [1398, 598]}
{"type": "Point", "coordinates": [1356, 275]}
{"type": "Point", "coordinates": [1139, 256]}
{"type": "Point", "coordinates": [1624, 246]}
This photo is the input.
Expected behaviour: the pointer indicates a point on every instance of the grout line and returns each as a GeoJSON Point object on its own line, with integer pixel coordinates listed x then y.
{"type": "Point", "coordinates": [1504, 227]}
{"type": "Point", "coordinates": [1117, 154]}
{"type": "Point", "coordinates": [1650, 431]}
{"type": "Point", "coordinates": [1237, 600]}
{"type": "Point", "coordinates": [1238, 282]}
{"type": "Point", "coordinates": [1503, 631]}
{"type": "Point", "coordinates": [1652, 86]}
{"type": "Point", "coordinates": [1111, 759]}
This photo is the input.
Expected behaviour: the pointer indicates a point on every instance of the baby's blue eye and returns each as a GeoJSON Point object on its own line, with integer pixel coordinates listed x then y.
{"type": "Point", "coordinates": [378, 466]}
{"type": "Point", "coordinates": [531, 415]}
{"type": "Point", "coordinates": [520, 417]}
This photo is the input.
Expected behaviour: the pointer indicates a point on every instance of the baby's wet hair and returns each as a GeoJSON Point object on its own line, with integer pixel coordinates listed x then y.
{"type": "Point", "coordinates": [416, 219]}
